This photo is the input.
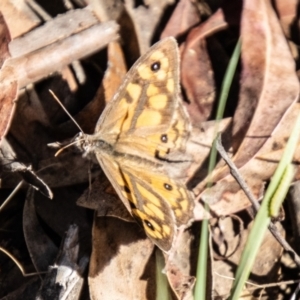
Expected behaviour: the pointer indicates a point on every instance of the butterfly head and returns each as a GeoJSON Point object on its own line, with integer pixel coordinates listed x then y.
{"type": "Point", "coordinates": [90, 143]}
{"type": "Point", "coordinates": [84, 143]}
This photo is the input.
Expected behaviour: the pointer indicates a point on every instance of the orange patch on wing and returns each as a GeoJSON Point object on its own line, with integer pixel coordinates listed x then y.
{"type": "Point", "coordinates": [134, 91]}
{"type": "Point", "coordinates": [161, 75]}
{"type": "Point", "coordinates": [159, 101]}
{"type": "Point", "coordinates": [155, 211]}
{"type": "Point", "coordinates": [122, 106]}
{"type": "Point", "coordinates": [166, 230]}
{"type": "Point", "coordinates": [146, 194]}
{"type": "Point", "coordinates": [170, 85]}
{"type": "Point", "coordinates": [145, 72]}
{"type": "Point", "coordinates": [164, 63]}
{"type": "Point", "coordinates": [127, 121]}
{"type": "Point", "coordinates": [184, 204]}
{"type": "Point", "coordinates": [157, 55]}
{"type": "Point", "coordinates": [178, 213]}
{"type": "Point", "coordinates": [152, 90]}
{"type": "Point", "coordinates": [149, 118]}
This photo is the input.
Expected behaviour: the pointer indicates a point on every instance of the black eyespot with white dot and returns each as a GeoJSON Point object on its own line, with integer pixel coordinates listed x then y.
{"type": "Point", "coordinates": [164, 138]}
{"type": "Point", "coordinates": [155, 66]}
{"type": "Point", "coordinates": [149, 224]}
{"type": "Point", "coordinates": [168, 187]}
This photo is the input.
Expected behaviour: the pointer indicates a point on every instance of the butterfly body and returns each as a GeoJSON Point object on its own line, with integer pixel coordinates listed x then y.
{"type": "Point", "coordinates": [140, 143]}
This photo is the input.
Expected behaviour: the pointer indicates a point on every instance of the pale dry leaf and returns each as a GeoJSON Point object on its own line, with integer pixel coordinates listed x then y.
{"type": "Point", "coordinates": [115, 72]}
{"type": "Point", "coordinates": [178, 267]}
{"type": "Point", "coordinates": [59, 28]}
{"type": "Point", "coordinates": [266, 63]}
{"type": "Point", "coordinates": [8, 86]}
{"type": "Point", "coordinates": [287, 12]}
{"type": "Point", "coordinates": [107, 10]}
{"type": "Point", "coordinates": [263, 104]}
{"type": "Point", "coordinates": [102, 197]}
{"type": "Point", "coordinates": [265, 265]}
{"type": "Point", "coordinates": [226, 197]}
{"type": "Point", "coordinates": [197, 74]}
{"type": "Point", "coordinates": [67, 272]}
{"type": "Point", "coordinates": [19, 17]}
{"type": "Point", "coordinates": [36, 65]}
{"type": "Point", "coordinates": [122, 262]}
{"type": "Point", "coordinates": [199, 146]}
{"type": "Point", "coordinates": [184, 17]}
{"type": "Point", "coordinates": [146, 19]}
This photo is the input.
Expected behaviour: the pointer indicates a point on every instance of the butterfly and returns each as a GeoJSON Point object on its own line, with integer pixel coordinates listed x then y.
{"type": "Point", "coordinates": [140, 142]}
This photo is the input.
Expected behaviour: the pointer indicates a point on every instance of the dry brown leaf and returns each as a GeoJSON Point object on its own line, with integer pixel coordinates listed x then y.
{"type": "Point", "coordinates": [114, 74]}
{"type": "Point", "coordinates": [103, 198]}
{"type": "Point", "coordinates": [68, 24]}
{"type": "Point", "coordinates": [122, 263]}
{"type": "Point", "coordinates": [198, 80]}
{"type": "Point", "coordinates": [226, 197]}
{"type": "Point", "coordinates": [8, 86]}
{"type": "Point", "coordinates": [146, 18]}
{"type": "Point", "coordinates": [41, 248]}
{"type": "Point", "coordinates": [196, 70]}
{"type": "Point", "coordinates": [261, 99]}
{"type": "Point", "coordinates": [269, 84]}
{"type": "Point", "coordinates": [178, 267]}
{"type": "Point", "coordinates": [19, 17]}
{"type": "Point", "coordinates": [34, 66]}
{"type": "Point", "coordinates": [287, 11]}
{"type": "Point", "coordinates": [265, 265]}
{"type": "Point", "coordinates": [107, 10]}
{"type": "Point", "coordinates": [184, 17]}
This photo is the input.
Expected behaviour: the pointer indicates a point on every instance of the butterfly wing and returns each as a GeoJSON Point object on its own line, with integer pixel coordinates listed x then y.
{"type": "Point", "coordinates": [144, 129]}
{"type": "Point", "coordinates": [146, 111]}
{"type": "Point", "coordinates": [159, 190]}
{"type": "Point", "coordinates": [147, 104]}
{"type": "Point", "coordinates": [158, 203]}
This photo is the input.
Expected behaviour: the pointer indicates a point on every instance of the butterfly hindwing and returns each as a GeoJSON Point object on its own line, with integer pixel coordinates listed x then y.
{"type": "Point", "coordinates": [150, 210]}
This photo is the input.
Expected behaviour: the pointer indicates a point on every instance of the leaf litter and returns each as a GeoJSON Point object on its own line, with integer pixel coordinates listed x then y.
{"type": "Point", "coordinates": [82, 53]}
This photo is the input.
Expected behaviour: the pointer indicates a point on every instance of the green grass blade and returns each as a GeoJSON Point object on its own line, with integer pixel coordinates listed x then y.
{"type": "Point", "coordinates": [262, 219]}
{"type": "Point", "coordinates": [201, 275]}
{"type": "Point", "coordinates": [162, 286]}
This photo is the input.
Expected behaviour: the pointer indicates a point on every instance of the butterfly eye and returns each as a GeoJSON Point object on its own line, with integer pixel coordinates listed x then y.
{"type": "Point", "coordinates": [149, 225]}
{"type": "Point", "coordinates": [155, 66]}
{"type": "Point", "coordinates": [168, 187]}
{"type": "Point", "coordinates": [164, 138]}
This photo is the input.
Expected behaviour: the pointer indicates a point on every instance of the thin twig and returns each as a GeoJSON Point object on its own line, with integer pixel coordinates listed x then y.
{"type": "Point", "coordinates": [238, 177]}
{"type": "Point", "coordinates": [19, 265]}
{"type": "Point", "coordinates": [15, 190]}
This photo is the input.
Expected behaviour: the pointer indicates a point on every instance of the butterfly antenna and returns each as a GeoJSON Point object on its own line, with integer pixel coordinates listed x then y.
{"type": "Point", "coordinates": [66, 111]}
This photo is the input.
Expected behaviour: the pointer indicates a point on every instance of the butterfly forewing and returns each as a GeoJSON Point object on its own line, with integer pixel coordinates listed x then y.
{"type": "Point", "coordinates": [148, 97]}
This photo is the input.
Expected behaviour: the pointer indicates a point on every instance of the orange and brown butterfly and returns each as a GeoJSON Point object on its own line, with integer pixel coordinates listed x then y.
{"type": "Point", "coordinates": [140, 142]}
